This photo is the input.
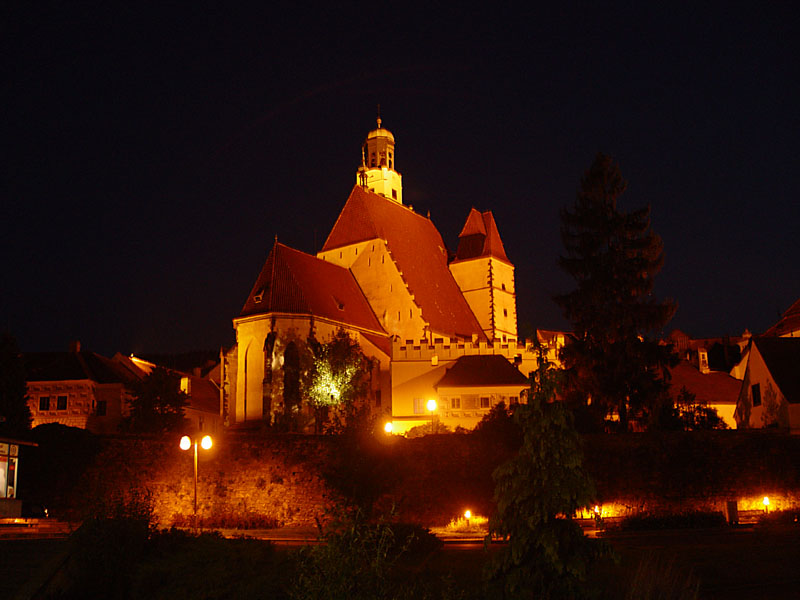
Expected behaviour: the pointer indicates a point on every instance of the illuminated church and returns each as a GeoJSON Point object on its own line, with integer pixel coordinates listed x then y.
{"type": "Point", "coordinates": [441, 326]}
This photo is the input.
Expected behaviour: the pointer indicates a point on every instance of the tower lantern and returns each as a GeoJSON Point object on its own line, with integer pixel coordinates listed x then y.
{"type": "Point", "coordinates": [377, 171]}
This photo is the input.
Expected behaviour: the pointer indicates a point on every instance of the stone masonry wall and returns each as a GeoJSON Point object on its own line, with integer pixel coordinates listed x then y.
{"type": "Point", "coordinates": [433, 479]}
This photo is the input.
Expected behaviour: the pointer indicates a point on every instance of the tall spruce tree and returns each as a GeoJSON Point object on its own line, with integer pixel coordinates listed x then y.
{"type": "Point", "coordinates": [15, 416]}
{"type": "Point", "coordinates": [612, 363]}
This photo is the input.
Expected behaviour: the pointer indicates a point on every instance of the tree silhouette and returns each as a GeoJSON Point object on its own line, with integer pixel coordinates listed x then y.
{"type": "Point", "coordinates": [15, 415]}
{"type": "Point", "coordinates": [611, 363]}
{"type": "Point", "coordinates": [157, 404]}
{"type": "Point", "coordinates": [537, 493]}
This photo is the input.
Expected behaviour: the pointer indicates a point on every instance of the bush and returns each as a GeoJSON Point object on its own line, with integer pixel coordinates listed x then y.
{"type": "Point", "coordinates": [245, 520]}
{"type": "Point", "coordinates": [686, 520]}
{"type": "Point", "coordinates": [358, 559]}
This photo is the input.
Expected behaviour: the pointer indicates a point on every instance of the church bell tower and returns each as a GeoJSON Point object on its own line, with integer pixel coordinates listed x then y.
{"type": "Point", "coordinates": [377, 171]}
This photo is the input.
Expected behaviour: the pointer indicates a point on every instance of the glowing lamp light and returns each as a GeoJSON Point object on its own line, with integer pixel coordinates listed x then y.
{"type": "Point", "coordinates": [186, 443]}
{"type": "Point", "coordinates": [388, 427]}
{"type": "Point", "coordinates": [431, 405]}
{"type": "Point", "coordinates": [468, 514]}
{"type": "Point", "coordinates": [205, 443]}
{"type": "Point", "coordinates": [765, 502]}
{"type": "Point", "coordinates": [596, 510]}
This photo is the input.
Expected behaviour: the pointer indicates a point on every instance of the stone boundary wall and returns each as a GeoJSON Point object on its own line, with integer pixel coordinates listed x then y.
{"type": "Point", "coordinates": [433, 479]}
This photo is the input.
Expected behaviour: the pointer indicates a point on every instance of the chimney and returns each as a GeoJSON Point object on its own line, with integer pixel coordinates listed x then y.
{"type": "Point", "coordinates": [75, 346]}
{"type": "Point", "coordinates": [702, 359]}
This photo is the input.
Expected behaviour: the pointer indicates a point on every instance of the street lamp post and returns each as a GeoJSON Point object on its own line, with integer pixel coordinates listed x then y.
{"type": "Point", "coordinates": [205, 444]}
{"type": "Point", "coordinates": [431, 407]}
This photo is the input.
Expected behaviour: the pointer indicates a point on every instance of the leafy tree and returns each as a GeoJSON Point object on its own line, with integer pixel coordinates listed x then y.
{"type": "Point", "coordinates": [537, 492]}
{"type": "Point", "coordinates": [15, 415]}
{"type": "Point", "coordinates": [338, 379]}
{"type": "Point", "coordinates": [157, 404]}
{"type": "Point", "coordinates": [690, 414]}
{"type": "Point", "coordinates": [611, 362]}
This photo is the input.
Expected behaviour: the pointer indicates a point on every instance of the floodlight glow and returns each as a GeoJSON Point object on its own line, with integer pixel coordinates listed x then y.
{"type": "Point", "coordinates": [388, 427]}
{"type": "Point", "coordinates": [205, 443]}
{"type": "Point", "coordinates": [431, 405]}
{"type": "Point", "coordinates": [765, 502]}
{"type": "Point", "coordinates": [186, 443]}
{"type": "Point", "coordinates": [467, 514]}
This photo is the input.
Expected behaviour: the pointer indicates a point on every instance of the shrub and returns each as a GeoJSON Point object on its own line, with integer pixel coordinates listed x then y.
{"type": "Point", "coordinates": [685, 520]}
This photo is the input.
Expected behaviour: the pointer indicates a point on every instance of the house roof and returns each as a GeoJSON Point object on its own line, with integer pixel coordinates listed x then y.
{"type": "Point", "coordinates": [418, 251]}
{"type": "Point", "coordinates": [482, 370]}
{"type": "Point", "coordinates": [715, 387]}
{"type": "Point", "coordinates": [480, 238]}
{"type": "Point", "coordinates": [297, 283]}
{"type": "Point", "coordinates": [782, 357]}
{"type": "Point", "coordinates": [73, 366]}
{"type": "Point", "coordinates": [788, 323]}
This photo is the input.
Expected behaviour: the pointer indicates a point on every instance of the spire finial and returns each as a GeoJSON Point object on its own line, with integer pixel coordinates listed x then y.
{"type": "Point", "coordinates": [379, 116]}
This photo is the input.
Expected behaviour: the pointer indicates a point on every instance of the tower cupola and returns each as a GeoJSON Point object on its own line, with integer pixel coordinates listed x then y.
{"type": "Point", "coordinates": [377, 171]}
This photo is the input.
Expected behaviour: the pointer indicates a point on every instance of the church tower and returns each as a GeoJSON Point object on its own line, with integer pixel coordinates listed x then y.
{"type": "Point", "coordinates": [377, 173]}
{"type": "Point", "coordinates": [486, 276]}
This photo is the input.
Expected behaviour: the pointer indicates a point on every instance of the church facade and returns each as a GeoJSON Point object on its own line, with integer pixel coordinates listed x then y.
{"type": "Point", "coordinates": [440, 326]}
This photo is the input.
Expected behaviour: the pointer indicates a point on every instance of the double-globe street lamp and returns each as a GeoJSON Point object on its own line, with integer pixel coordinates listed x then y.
{"type": "Point", "coordinates": [186, 443]}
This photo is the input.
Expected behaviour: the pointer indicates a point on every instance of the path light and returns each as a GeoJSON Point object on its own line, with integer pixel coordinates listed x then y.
{"type": "Point", "coordinates": [467, 516]}
{"type": "Point", "coordinates": [205, 444]}
{"type": "Point", "coordinates": [765, 502]}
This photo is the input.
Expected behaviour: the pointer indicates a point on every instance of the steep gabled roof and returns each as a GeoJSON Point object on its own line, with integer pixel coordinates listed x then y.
{"type": "Point", "coordinates": [73, 366]}
{"type": "Point", "coordinates": [297, 283]}
{"type": "Point", "coordinates": [782, 358]}
{"type": "Point", "coordinates": [715, 387]}
{"type": "Point", "coordinates": [788, 323]}
{"type": "Point", "coordinates": [485, 370]}
{"type": "Point", "coordinates": [480, 238]}
{"type": "Point", "coordinates": [419, 253]}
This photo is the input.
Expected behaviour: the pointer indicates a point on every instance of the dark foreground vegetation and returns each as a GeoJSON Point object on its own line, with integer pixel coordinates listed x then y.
{"type": "Point", "coordinates": [123, 558]}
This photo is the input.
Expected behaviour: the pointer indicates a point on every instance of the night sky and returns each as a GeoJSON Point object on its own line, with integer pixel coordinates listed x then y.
{"type": "Point", "coordinates": [152, 154]}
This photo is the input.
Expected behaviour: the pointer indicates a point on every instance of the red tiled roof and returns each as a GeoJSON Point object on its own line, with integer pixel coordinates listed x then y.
{"type": "Point", "coordinates": [714, 387]}
{"type": "Point", "coordinates": [419, 253]}
{"type": "Point", "coordinates": [297, 283]}
{"type": "Point", "coordinates": [782, 357]}
{"type": "Point", "coordinates": [480, 237]}
{"type": "Point", "coordinates": [789, 322]}
{"type": "Point", "coordinates": [482, 370]}
{"type": "Point", "coordinates": [73, 366]}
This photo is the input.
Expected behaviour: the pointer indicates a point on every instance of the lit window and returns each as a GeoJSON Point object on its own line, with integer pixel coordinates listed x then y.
{"type": "Point", "coordinates": [61, 403]}
{"type": "Point", "coordinates": [44, 402]}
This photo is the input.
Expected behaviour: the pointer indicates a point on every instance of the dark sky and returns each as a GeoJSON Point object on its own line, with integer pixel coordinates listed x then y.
{"type": "Point", "coordinates": [151, 154]}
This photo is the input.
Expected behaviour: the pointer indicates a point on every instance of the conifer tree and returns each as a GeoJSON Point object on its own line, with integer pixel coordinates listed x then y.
{"type": "Point", "coordinates": [612, 363]}
{"type": "Point", "coordinates": [15, 416]}
{"type": "Point", "coordinates": [537, 493]}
